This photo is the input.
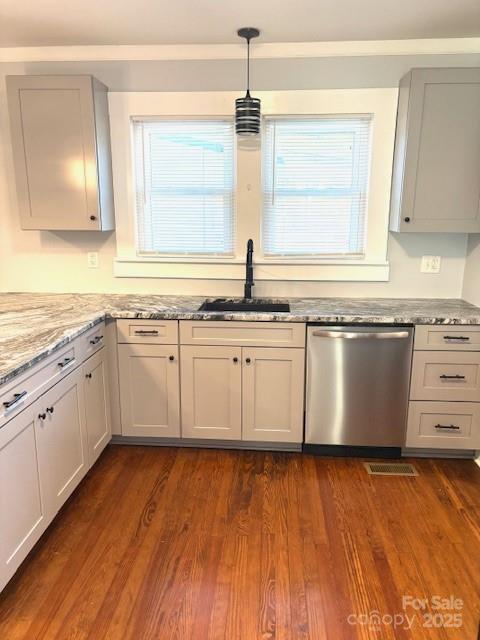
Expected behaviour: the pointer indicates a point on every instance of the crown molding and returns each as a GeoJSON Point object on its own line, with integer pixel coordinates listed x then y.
{"type": "Point", "coordinates": [268, 50]}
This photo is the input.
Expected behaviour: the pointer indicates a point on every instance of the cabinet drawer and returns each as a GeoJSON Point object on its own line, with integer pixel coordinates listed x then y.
{"type": "Point", "coordinates": [250, 334]}
{"type": "Point", "coordinates": [27, 388]}
{"type": "Point", "coordinates": [444, 425]}
{"type": "Point", "coordinates": [440, 375]}
{"type": "Point", "coordinates": [92, 340]}
{"type": "Point", "coordinates": [447, 338]}
{"type": "Point", "coordinates": [147, 331]}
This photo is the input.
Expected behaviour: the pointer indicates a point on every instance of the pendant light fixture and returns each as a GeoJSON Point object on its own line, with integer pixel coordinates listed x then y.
{"type": "Point", "coordinates": [247, 109]}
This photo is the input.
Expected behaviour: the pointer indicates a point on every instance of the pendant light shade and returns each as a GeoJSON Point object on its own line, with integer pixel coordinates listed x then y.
{"type": "Point", "coordinates": [247, 109]}
{"type": "Point", "coordinates": [247, 116]}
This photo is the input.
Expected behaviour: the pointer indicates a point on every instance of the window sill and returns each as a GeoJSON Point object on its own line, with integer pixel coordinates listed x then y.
{"type": "Point", "coordinates": [234, 269]}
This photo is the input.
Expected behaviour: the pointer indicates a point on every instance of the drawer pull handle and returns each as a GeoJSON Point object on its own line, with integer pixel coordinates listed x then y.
{"type": "Point", "coordinates": [50, 409]}
{"type": "Point", "coordinates": [461, 338]}
{"type": "Point", "coordinates": [365, 335]}
{"type": "Point", "coordinates": [145, 332]}
{"type": "Point", "coordinates": [457, 376]}
{"type": "Point", "coordinates": [42, 416]}
{"type": "Point", "coordinates": [66, 362]}
{"type": "Point", "coordinates": [96, 340]}
{"type": "Point", "coordinates": [88, 375]}
{"type": "Point", "coordinates": [447, 426]}
{"type": "Point", "coordinates": [16, 398]}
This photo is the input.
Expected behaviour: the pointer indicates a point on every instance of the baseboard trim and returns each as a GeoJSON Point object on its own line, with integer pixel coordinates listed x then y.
{"type": "Point", "coordinates": [314, 449]}
{"type": "Point", "coordinates": [467, 454]}
{"type": "Point", "coordinates": [207, 444]}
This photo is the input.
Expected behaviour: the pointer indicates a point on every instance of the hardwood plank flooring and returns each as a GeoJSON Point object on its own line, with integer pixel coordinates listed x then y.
{"type": "Point", "coordinates": [200, 544]}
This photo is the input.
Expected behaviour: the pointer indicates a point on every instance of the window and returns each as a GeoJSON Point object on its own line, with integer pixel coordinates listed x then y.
{"type": "Point", "coordinates": [315, 181]}
{"type": "Point", "coordinates": [235, 199]}
{"type": "Point", "coordinates": [184, 186]}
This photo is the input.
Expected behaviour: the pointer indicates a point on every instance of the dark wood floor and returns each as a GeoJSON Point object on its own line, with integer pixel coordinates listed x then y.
{"type": "Point", "coordinates": [200, 544]}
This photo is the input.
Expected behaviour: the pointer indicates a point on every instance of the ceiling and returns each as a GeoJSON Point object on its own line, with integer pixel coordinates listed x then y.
{"type": "Point", "coordinates": [110, 22]}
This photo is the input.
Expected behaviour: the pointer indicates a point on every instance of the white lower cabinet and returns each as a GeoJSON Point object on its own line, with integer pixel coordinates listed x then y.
{"type": "Point", "coordinates": [211, 392]}
{"type": "Point", "coordinates": [43, 457]}
{"type": "Point", "coordinates": [149, 390]}
{"type": "Point", "coordinates": [97, 405]}
{"type": "Point", "coordinates": [45, 451]}
{"type": "Point", "coordinates": [242, 393]}
{"type": "Point", "coordinates": [22, 508]}
{"type": "Point", "coordinates": [272, 394]}
{"type": "Point", "coordinates": [61, 440]}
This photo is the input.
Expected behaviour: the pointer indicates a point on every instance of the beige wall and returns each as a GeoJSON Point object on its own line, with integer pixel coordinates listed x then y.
{"type": "Point", "coordinates": [47, 261]}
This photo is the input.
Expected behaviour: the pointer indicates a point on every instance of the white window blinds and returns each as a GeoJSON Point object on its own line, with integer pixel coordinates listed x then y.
{"type": "Point", "coordinates": [315, 181]}
{"type": "Point", "coordinates": [184, 186]}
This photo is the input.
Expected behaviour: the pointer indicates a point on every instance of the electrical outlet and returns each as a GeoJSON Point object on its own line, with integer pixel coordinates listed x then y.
{"type": "Point", "coordinates": [430, 264]}
{"type": "Point", "coordinates": [92, 260]}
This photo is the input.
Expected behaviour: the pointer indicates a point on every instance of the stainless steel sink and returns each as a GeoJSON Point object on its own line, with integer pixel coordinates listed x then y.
{"type": "Point", "coordinates": [245, 305]}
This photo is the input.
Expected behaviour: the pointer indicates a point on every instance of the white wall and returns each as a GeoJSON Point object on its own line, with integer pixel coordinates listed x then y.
{"type": "Point", "coordinates": [56, 261]}
{"type": "Point", "coordinates": [471, 281]}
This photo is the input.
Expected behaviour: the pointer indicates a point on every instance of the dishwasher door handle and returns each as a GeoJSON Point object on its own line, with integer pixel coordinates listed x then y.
{"type": "Point", "coordinates": [357, 335]}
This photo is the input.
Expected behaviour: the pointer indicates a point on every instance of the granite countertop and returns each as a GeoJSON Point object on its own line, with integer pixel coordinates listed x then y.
{"type": "Point", "coordinates": [34, 325]}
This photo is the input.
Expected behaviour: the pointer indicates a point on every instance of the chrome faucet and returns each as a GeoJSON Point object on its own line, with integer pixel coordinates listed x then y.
{"type": "Point", "coordinates": [249, 283]}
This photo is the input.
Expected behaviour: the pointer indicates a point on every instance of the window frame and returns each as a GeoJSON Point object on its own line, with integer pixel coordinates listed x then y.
{"type": "Point", "coordinates": [382, 103]}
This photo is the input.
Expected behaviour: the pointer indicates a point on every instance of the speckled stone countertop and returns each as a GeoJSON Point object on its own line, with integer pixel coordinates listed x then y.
{"type": "Point", "coordinates": [34, 325]}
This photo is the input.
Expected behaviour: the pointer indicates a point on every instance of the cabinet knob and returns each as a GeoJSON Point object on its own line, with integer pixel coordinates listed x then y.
{"type": "Point", "coordinates": [42, 416]}
{"type": "Point", "coordinates": [50, 409]}
{"type": "Point", "coordinates": [88, 375]}
{"type": "Point", "coordinates": [93, 217]}
{"type": "Point", "coordinates": [171, 358]}
{"type": "Point", "coordinates": [248, 360]}
{"type": "Point", "coordinates": [235, 359]}
{"type": "Point", "coordinates": [407, 219]}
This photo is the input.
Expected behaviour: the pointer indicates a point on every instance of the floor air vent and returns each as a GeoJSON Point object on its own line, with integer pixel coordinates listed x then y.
{"type": "Point", "coordinates": [390, 469]}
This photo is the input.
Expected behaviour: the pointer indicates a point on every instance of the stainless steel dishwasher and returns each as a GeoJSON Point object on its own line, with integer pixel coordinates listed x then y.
{"type": "Point", "coordinates": [357, 385]}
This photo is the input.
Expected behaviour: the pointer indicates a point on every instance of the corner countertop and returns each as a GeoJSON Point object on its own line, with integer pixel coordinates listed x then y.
{"type": "Point", "coordinates": [33, 325]}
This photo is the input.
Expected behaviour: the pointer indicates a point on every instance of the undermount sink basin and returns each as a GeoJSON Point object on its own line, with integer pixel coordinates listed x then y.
{"type": "Point", "coordinates": [244, 305]}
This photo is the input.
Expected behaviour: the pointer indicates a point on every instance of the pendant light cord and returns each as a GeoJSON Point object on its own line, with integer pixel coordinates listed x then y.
{"type": "Point", "coordinates": [248, 66]}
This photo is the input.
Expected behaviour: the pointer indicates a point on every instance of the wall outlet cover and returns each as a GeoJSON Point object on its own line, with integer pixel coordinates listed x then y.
{"type": "Point", "coordinates": [92, 260]}
{"type": "Point", "coordinates": [430, 264]}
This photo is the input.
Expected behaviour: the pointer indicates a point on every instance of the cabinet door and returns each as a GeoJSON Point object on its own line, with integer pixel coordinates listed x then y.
{"type": "Point", "coordinates": [97, 406]}
{"type": "Point", "coordinates": [273, 388]}
{"type": "Point", "coordinates": [55, 135]}
{"type": "Point", "coordinates": [436, 184]}
{"type": "Point", "coordinates": [149, 390]}
{"type": "Point", "coordinates": [211, 392]}
{"type": "Point", "coordinates": [22, 509]}
{"type": "Point", "coordinates": [61, 440]}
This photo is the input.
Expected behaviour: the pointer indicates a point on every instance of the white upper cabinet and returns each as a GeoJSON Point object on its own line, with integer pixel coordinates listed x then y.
{"type": "Point", "coordinates": [61, 149]}
{"type": "Point", "coordinates": [436, 174]}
